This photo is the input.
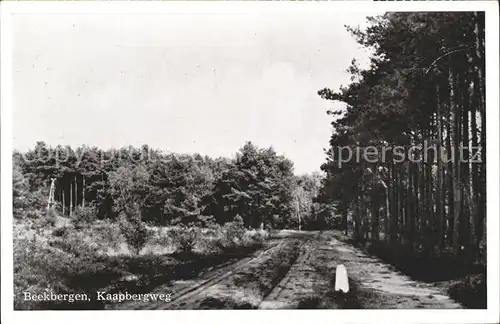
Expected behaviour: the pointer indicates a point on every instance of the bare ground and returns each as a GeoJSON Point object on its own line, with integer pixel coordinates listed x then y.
{"type": "Point", "coordinates": [297, 270]}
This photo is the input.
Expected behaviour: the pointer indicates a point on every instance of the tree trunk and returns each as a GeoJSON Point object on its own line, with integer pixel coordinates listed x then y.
{"type": "Point", "coordinates": [479, 47]}
{"type": "Point", "coordinates": [449, 173]}
{"type": "Point", "coordinates": [394, 204]}
{"type": "Point", "coordinates": [401, 203]}
{"type": "Point", "coordinates": [345, 222]}
{"type": "Point", "coordinates": [63, 191]}
{"type": "Point", "coordinates": [424, 208]}
{"type": "Point", "coordinates": [466, 229]}
{"type": "Point", "coordinates": [387, 214]}
{"type": "Point", "coordinates": [408, 206]}
{"type": "Point", "coordinates": [375, 217]}
{"type": "Point", "coordinates": [70, 197]}
{"type": "Point", "coordinates": [474, 175]}
{"type": "Point", "coordinates": [83, 192]}
{"type": "Point", "coordinates": [455, 135]}
{"type": "Point", "coordinates": [416, 203]}
{"type": "Point", "coordinates": [439, 192]}
{"type": "Point", "coordinates": [357, 217]}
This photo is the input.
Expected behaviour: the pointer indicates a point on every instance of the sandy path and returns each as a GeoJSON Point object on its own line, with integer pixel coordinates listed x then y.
{"type": "Point", "coordinates": [246, 285]}
{"type": "Point", "coordinates": [183, 291]}
{"type": "Point", "coordinates": [380, 286]}
{"type": "Point", "coordinates": [297, 271]}
{"type": "Point", "coordinates": [308, 283]}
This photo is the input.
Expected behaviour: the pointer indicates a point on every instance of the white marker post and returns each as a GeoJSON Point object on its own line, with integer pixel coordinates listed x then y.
{"type": "Point", "coordinates": [341, 280]}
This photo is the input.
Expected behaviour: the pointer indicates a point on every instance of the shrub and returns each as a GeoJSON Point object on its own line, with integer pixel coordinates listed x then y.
{"type": "Point", "coordinates": [135, 233]}
{"type": "Point", "coordinates": [207, 221]}
{"type": "Point", "coordinates": [28, 277]}
{"type": "Point", "coordinates": [83, 216]}
{"type": "Point", "coordinates": [61, 231]}
{"type": "Point", "coordinates": [42, 220]}
{"type": "Point", "coordinates": [470, 291]}
{"type": "Point", "coordinates": [26, 203]}
{"type": "Point", "coordinates": [184, 238]}
{"type": "Point", "coordinates": [107, 234]}
{"type": "Point", "coordinates": [74, 244]}
{"type": "Point", "coordinates": [232, 233]}
{"type": "Point", "coordinates": [50, 218]}
{"type": "Point", "coordinates": [258, 235]}
{"type": "Point", "coordinates": [58, 266]}
{"type": "Point", "coordinates": [134, 230]}
{"type": "Point", "coordinates": [62, 261]}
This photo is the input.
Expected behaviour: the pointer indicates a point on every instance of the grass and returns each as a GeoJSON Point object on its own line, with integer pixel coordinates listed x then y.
{"type": "Point", "coordinates": [225, 303]}
{"type": "Point", "coordinates": [93, 258]}
{"type": "Point", "coordinates": [310, 302]}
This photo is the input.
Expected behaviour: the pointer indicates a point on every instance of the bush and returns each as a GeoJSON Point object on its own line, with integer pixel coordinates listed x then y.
{"type": "Point", "coordinates": [134, 230]}
{"type": "Point", "coordinates": [50, 218]}
{"type": "Point", "coordinates": [184, 238]}
{"type": "Point", "coordinates": [27, 203]}
{"type": "Point", "coordinates": [74, 244]}
{"type": "Point", "coordinates": [61, 231]}
{"type": "Point", "coordinates": [207, 221]}
{"type": "Point", "coordinates": [64, 265]}
{"type": "Point", "coordinates": [232, 233]}
{"type": "Point", "coordinates": [29, 276]}
{"type": "Point", "coordinates": [108, 234]}
{"type": "Point", "coordinates": [471, 291]}
{"type": "Point", "coordinates": [258, 235]}
{"type": "Point", "coordinates": [83, 216]}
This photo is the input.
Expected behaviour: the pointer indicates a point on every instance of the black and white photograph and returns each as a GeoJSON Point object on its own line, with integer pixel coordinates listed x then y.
{"type": "Point", "coordinates": [250, 156]}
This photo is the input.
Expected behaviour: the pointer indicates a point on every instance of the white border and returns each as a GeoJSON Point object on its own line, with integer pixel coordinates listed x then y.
{"type": "Point", "coordinates": [491, 315]}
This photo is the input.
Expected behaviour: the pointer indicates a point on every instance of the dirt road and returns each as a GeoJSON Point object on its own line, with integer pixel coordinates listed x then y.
{"type": "Point", "coordinates": [297, 270]}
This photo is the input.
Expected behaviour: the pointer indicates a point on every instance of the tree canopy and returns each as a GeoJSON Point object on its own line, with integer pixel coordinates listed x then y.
{"type": "Point", "coordinates": [424, 88]}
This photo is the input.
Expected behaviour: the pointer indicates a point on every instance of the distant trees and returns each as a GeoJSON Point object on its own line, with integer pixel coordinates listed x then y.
{"type": "Point", "coordinates": [258, 185]}
{"type": "Point", "coordinates": [423, 88]}
{"type": "Point", "coordinates": [20, 191]}
{"type": "Point", "coordinates": [306, 207]}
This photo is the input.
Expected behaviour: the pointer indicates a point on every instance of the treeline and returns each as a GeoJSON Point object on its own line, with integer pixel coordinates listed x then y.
{"type": "Point", "coordinates": [258, 185]}
{"type": "Point", "coordinates": [425, 87]}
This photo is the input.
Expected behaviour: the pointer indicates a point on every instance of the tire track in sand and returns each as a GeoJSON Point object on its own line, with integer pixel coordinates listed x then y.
{"type": "Point", "coordinates": [193, 288]}
{"type": "Point", "coordinates": [304, 286]}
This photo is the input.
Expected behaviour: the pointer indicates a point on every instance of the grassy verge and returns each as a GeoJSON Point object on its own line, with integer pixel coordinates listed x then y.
{"type": "Point", "coordinates": [470, 291]}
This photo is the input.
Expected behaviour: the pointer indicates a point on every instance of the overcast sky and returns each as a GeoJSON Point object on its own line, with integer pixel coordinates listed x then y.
{"type": "Point", "coordinates": [202, 83]}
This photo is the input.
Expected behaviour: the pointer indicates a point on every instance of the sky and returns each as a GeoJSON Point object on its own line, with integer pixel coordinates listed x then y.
{"type": "Point", "coordinates": [186, 83]}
